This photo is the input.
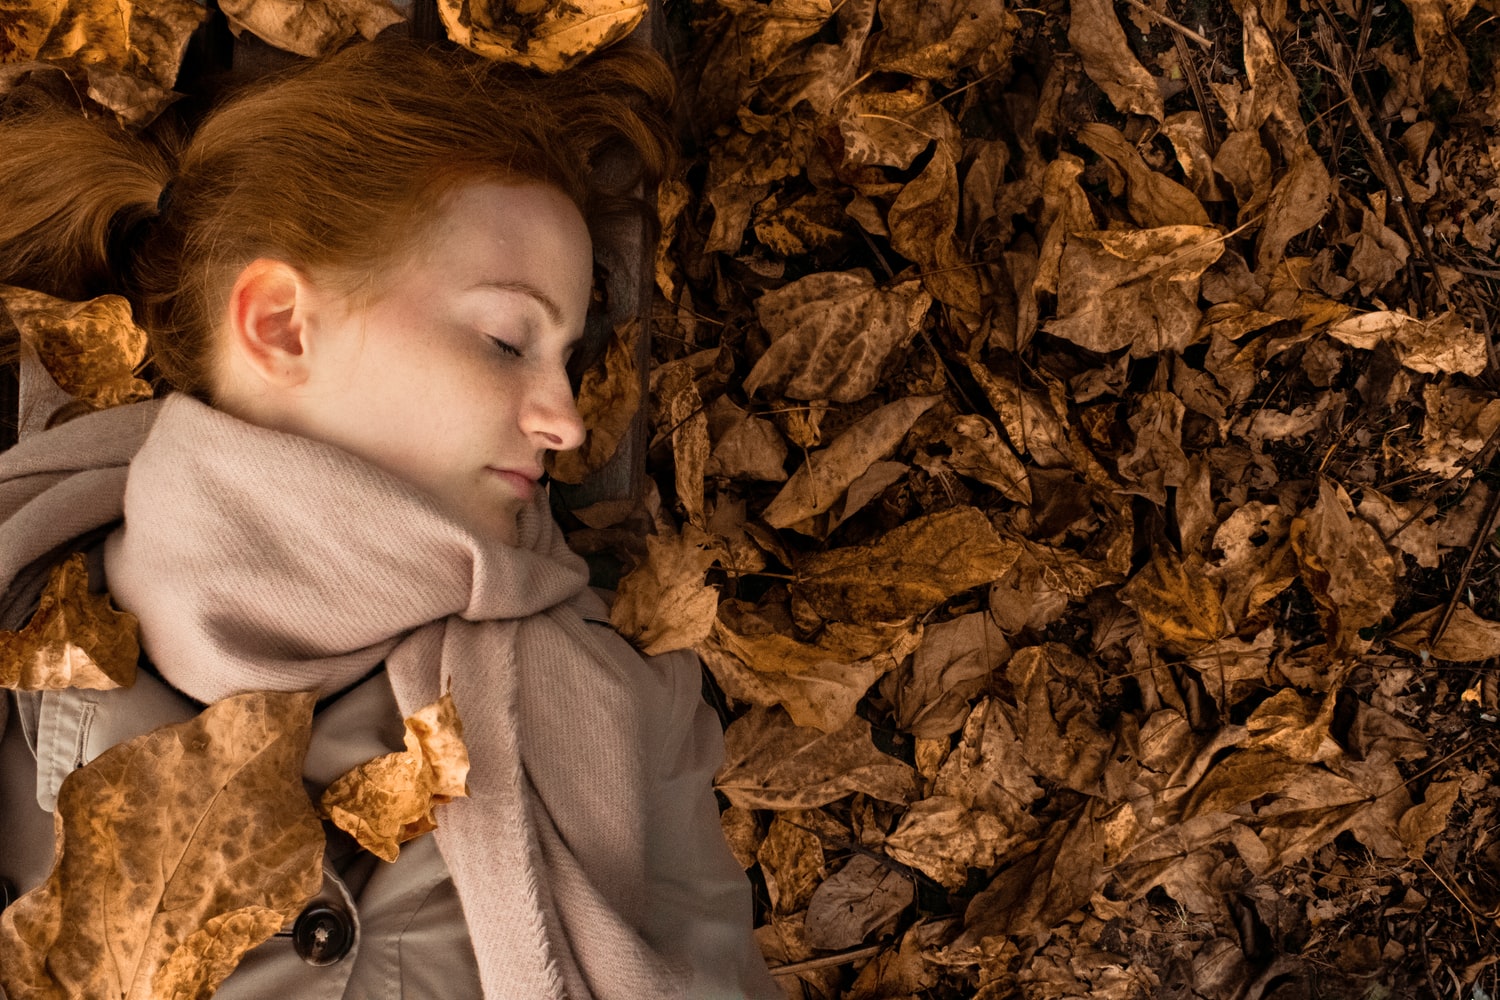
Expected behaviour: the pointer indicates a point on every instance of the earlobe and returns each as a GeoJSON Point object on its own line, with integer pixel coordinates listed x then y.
{"type": "Point", "coordinates": [267, 322]}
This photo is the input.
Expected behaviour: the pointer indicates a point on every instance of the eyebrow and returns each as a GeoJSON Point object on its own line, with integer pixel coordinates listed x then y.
{"type": "Point", "coordinates": [554, 313]}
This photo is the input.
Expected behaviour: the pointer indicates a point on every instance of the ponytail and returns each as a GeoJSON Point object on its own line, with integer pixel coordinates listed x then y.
{"type": "Point", "coordinates": [75, 193]}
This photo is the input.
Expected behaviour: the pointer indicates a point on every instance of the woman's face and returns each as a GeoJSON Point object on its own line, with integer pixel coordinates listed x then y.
{"type": "Point", "coordinates": [454, 378]}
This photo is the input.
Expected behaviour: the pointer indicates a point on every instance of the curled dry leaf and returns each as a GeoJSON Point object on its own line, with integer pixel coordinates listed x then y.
{"type": "Point", "coordinates": [923, 220]}
{"type": "Point", "coordinates": [769, 763]}
{"type": "Point", "coordinates": [1428, 818]}
{"type": "Point", "coordinates": [744, 446]}
{"type": "Point", "coordinates": [550, 35]}
{"type": "Point", "coordinates": [1060, 736]}
{"type": "Point", "coordinates": [313, 28]}
{"type": "Point", "coordinates": [664, 603]}
{"type": "Point", "coordinates": [91, 349]}
{"type": "Point", "coordinates": [976, 450]}
{"type": "Point", "coordinates": [1153, 199]}
{"type": "Point", "coordinates": [909, 571]}
{"type": "Point", "coordinates": [831, 333]}
{"type": "Point", "coordinates": [177, 852]}
{"type": "Point", "coordinates": [823, 478]}
{"type": "Point", "coordinates": [387, 801]}
{"type": "Point", "coordinates": [75, 639]}
{"type": "Point", "coordinates": [608, 399]}
{"type": "Point", "coordinates": [679, 413]}
{"type": "Point", "coordinates": [1345, 566]}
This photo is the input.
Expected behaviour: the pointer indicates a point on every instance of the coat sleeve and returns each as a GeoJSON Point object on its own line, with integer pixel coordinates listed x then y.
{"type": "Point", "coordinates": [701, 910]}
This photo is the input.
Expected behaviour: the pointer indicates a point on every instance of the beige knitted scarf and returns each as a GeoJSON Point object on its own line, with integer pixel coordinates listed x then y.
{"type": "Point", "coordinates": [261, 560]}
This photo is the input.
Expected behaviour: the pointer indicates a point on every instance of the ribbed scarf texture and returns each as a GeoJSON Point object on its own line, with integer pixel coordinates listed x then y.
{"type": "Point", "coordinates": [261, 560]}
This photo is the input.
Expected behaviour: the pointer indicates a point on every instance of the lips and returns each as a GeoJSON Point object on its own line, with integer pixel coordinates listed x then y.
{"type": "Point", "coordinates": [523, 481]}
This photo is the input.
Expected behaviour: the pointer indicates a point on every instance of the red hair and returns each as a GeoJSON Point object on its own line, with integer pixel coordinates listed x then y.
{"type": "Point", "coordinates": [332, 166]}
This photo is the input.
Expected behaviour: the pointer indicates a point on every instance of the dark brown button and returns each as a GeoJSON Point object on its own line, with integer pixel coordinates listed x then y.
{"type": "Point", "coordinates": [323, 934]}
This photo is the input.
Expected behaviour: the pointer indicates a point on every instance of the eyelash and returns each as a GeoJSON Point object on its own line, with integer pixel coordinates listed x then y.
{"type": "Point", "coordinates": [506, 348]}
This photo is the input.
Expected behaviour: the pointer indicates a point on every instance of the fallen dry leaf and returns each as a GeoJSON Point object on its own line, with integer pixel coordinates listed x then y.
{"type": "Point", "coordinates": [387, 801]}
{"type": "Point", "coordinates": [75, 639]}
{"type": "Point", "coordinates": [1178, 603]}
{"type": "Point", "coordinates": [608, 400]}
{"type": "Point", "coordinates": [1096, 35]}
{"type": "Point", "coordinates": [310, 29]}
{"type": "Point", "coordinates": [1467, 638]}
{"type": "Point", "coordinates": [1442, 345]}
{"type": "Point", "coordinates": [664, 604]}
{"type": "Point", "coordinates": [819, 683]}
{"type": "Point", "coordinates": [861, 899]}
{"type": "Point", "coordinates": [1346, 567]}
{"type": "Point", "coordinates": [1133, 288]}
{"type": "Point", "coordinates": [831, 332]}
{"type": "Point", "coordinates": [822, 479]}
{"type": "Point", "coordinates": [127, 53]}
{"type": "Point", "coordinates": [791, 858]}
{"type": "Point", "coordinates": [953, 664]}
{"type": "Point", "coordinates": [177, 852]}
{"type": "Point", "coordinates": [908, 571]}
{"type": "Point", "coordinates": [91, 349]}
{"type": "Point", "coordinates": [549, 36]}
{"type": "Point", "coordinates": [769, 763]}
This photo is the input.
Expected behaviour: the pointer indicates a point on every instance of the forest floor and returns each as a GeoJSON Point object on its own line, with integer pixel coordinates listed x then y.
{"type": "Point", "coordinates": [1076, 440]}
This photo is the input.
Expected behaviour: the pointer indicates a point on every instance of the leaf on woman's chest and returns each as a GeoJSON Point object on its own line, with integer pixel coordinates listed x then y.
{"type": "Point", "coordinates": [387, 801]}
{"type": "Point", "coordinates": [177, 852]}
{"type": "Point", "coordinates": [75, 639]}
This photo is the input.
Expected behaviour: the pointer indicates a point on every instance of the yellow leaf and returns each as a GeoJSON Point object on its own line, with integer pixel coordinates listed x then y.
{"type": "Point", "coordinates": [387, 801]}
{"type": "Point", "coordinates": [74, 639]}
{"type": "Point", "coordinates": [184, 841]}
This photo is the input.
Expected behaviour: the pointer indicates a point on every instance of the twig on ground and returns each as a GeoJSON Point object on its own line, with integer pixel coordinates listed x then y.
{"type": "Point", "coordinates": [827, 961]}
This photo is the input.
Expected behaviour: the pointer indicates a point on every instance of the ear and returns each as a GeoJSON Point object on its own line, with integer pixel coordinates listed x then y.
{"type": "Point", "coordinates": [267, 322]}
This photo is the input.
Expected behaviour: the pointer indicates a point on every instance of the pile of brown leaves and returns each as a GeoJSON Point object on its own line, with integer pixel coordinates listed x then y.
{"type": "Point", "coordinates": [1075, 445]}
{"type": "Point", "coordinates": [1072, 426]}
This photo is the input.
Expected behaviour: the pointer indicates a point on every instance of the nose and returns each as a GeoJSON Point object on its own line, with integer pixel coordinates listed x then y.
{"type": "Point", "coordinates": [551, 417]}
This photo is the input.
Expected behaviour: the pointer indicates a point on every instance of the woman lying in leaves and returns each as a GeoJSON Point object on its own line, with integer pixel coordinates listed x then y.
{"type": "Point", "coordinates": [363, 280]}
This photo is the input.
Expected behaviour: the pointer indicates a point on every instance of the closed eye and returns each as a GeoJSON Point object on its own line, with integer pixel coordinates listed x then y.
{"type": "Point", "coordinates": [506, 348]}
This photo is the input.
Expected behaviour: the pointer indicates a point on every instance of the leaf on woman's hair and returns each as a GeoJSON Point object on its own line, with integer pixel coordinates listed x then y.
{"type": "Point", "coordinates": [548, 35]}
{"type": "Point", "coordinates": [310, 28]}
{"type": "Point", "coordinates": [75, 639]}
{"type": "Point", "coordinates": [608, 400]}
{"type": "Point", "coordinates": [177, 852]}
{"type": "Point", "coordinates": [91, 349]}
{"type": "Point", "coordinates": [387, 801]}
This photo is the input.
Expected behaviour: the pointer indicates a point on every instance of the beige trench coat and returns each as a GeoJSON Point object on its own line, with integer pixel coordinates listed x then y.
{"type": "Point", "coordinates": [394, 930]}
